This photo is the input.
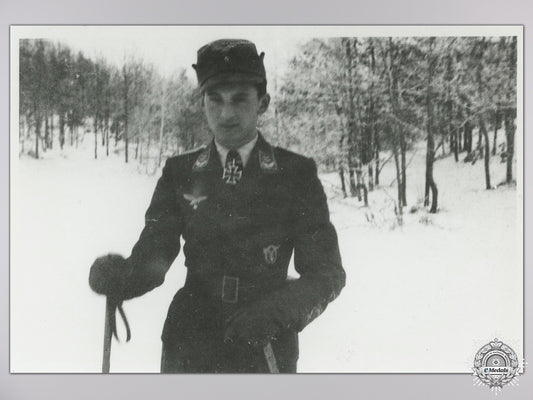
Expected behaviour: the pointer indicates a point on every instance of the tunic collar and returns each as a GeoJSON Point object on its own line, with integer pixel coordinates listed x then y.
{"type": "Point", "coordinates": [260, 150]}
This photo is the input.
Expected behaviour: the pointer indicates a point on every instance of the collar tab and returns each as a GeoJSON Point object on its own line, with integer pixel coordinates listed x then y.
{"type": "Point", "coordinates": [267, 159]}
{"type": "Point", "coordinates": [202, 160]}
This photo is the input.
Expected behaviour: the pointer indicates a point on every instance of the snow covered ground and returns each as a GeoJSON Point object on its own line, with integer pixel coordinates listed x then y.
{"type": "Point", "coordinates": [423, 297]}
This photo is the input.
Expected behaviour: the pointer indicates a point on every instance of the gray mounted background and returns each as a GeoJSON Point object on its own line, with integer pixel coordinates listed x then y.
{"type": "Point", "coordinates": [241, 12]}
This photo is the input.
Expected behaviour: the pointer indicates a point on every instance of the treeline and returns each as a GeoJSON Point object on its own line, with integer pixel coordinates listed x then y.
{"type": "Point", "coordinates": [356, 103]}
{"type": "Point", "coordinates": [133, 109]}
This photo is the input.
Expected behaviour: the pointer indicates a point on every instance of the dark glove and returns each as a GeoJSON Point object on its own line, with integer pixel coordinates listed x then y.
{"type": "Point", "coordinates": [255, 325]}
{"type": "Point", "coordinates": [108, 276]}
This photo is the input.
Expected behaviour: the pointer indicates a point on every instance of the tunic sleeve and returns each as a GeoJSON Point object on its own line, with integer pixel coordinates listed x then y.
{"type": "Point", "coordinates": [159, 242]}
{"type": "Point", "coordinates": [316, 251]}
{"type": "Point", "coordinates": [316, 258]}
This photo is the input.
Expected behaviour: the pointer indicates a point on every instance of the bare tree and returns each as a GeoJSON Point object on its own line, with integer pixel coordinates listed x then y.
{"type": "Point", "coordinates": [431, 186]}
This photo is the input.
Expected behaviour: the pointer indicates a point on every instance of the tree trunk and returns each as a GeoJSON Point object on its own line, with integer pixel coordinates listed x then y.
{"type": "Point", "coordinates": [358, 182]}
{"type": "Point", "coordinates": [372, 115]}
{"type": "Point", "coordinates": [455, 133]}
{"type": "Point", "coordinates": [398, 139]}
{"type": "Point", "coordinates": [431, 187]}
{"type": "Point", "coordinates": [37, 135]}
{"type": "Point", "coordinates": [376, 180]}
{"type": "Point", "coordinates": [361, 187]}
{"type": "Point", "coordinates": [61, 130]}
{"type": "Point", "coordinates": [510, 115]}
{"type": "Point", "coordinates": [95, 124]}
{"type": "Point", "coordinates": [375, 138]}
{"type": "Point", "coordinates": [365, 195]}
{"type": "Point", "coordinates": [370, 177]}
{"type": "Point", "coordinates": [509, 136]}
{"type": "Point", "coordinates": [107, 136]}
{"type": "Point", "coordinates": [51, 144]}
{"type": "Point", "coordinates": [483, 130]}
{"type": "Point", "coordinates": [162, 126]}
{"type": "Point", "coordinates": [126, 144]}
{"type": "Point", "coordinates": [352, 134]}
{"type": "Point", "coordinates": [481, 119]}
{"type": "Point", "coordinates": [353, 186]}
{"type": "Point", "coordinates": [343, 185]}
{"type": "Point", "coordinates": [403, 147]}
{"type": "Point", "coordinates": [430, 152]}
{"type": "Point", "coordinates": [448, 108]}
{"type": "Point", "coordinates": [46, 132]}
{"type": "Point", "coordinates": [479, 146]}
{"type": "Point", "coordinates": [495, 137]}
{"type": "Point", "coordinates": [468, 137]}
{"type": "Point", "coordinates": [126, 139]}
{"type": "Point", "coordinates": [102, 128]}
{"type": "Point", "coordinates": [398, 175]}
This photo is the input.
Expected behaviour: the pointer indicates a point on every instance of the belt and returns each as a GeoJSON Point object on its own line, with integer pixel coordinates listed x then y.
{"type": "Point", "coordinates": [223, 288]}
{"type": "Point", "coordinates": [226, 288]}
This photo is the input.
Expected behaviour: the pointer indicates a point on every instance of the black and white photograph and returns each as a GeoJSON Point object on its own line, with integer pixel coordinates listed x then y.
{"type": "Point", "coordinates": [265, 199]}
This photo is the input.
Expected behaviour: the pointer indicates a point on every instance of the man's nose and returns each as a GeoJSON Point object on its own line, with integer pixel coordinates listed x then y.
{"type": "Point", "coordinates": [227, 114]}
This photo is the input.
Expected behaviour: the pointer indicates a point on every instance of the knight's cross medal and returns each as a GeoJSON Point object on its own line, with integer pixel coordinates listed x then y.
{"type": "Point", "coordinates": [233, 168]}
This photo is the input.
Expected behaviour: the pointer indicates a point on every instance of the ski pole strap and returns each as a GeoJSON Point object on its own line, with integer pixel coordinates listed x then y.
{"type": "Point", "coordinates": [113, 323]}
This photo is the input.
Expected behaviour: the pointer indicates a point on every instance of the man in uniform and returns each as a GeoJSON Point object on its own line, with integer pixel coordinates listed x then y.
{"type": "Point", "coordinates": [243, 207]}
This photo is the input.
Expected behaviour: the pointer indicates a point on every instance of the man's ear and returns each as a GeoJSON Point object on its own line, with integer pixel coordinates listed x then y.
{"type": "Point", "coordinates": [263, 103]}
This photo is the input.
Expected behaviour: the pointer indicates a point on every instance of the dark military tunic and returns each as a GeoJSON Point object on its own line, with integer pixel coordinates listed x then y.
{"type": "Point", "coordinates": [239, 240]}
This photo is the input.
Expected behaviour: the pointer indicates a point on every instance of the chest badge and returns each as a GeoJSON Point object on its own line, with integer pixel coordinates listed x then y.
{"type": "Point", "coordinates": [271, 253]}
{"type": "Point", "coordinates": [194, 201]}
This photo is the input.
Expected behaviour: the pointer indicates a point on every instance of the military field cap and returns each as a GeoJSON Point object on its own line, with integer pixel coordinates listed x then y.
{"type": "Point", "coordinates": [228, 61]}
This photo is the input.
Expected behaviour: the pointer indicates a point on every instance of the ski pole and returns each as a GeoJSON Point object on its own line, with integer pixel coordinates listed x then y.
{"type": "Point", "coordinates": [270, 358]}
{"type": "Point", "coordinates": [108, 333]}
{"type": "Point", "coordinates": [110, 329]}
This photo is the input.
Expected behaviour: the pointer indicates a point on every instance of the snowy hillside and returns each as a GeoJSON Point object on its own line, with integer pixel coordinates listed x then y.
{"type": "Point", "coordinates": [421, 297]}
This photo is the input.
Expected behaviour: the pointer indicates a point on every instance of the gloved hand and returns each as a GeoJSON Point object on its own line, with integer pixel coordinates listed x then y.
{"type": "Point", "coordinates": [255, 325]}
{"type": "Point", "coordinates": [108, 276]}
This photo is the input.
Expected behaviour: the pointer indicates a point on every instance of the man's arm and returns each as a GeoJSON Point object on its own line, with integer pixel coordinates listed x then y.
{"type": "Point", "coordinates": [159, 242]}
{"type": "Point", "coordinates": [316, 255]}
{"type": "Point", "coordinates": [317, 260]}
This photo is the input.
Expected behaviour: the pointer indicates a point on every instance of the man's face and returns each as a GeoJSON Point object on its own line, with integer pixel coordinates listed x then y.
{"type": "Point", "coordinates": [232, 111]}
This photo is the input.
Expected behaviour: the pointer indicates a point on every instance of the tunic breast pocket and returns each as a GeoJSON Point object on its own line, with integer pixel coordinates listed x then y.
{"type": "Point", "coordinates": [272, 206]}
